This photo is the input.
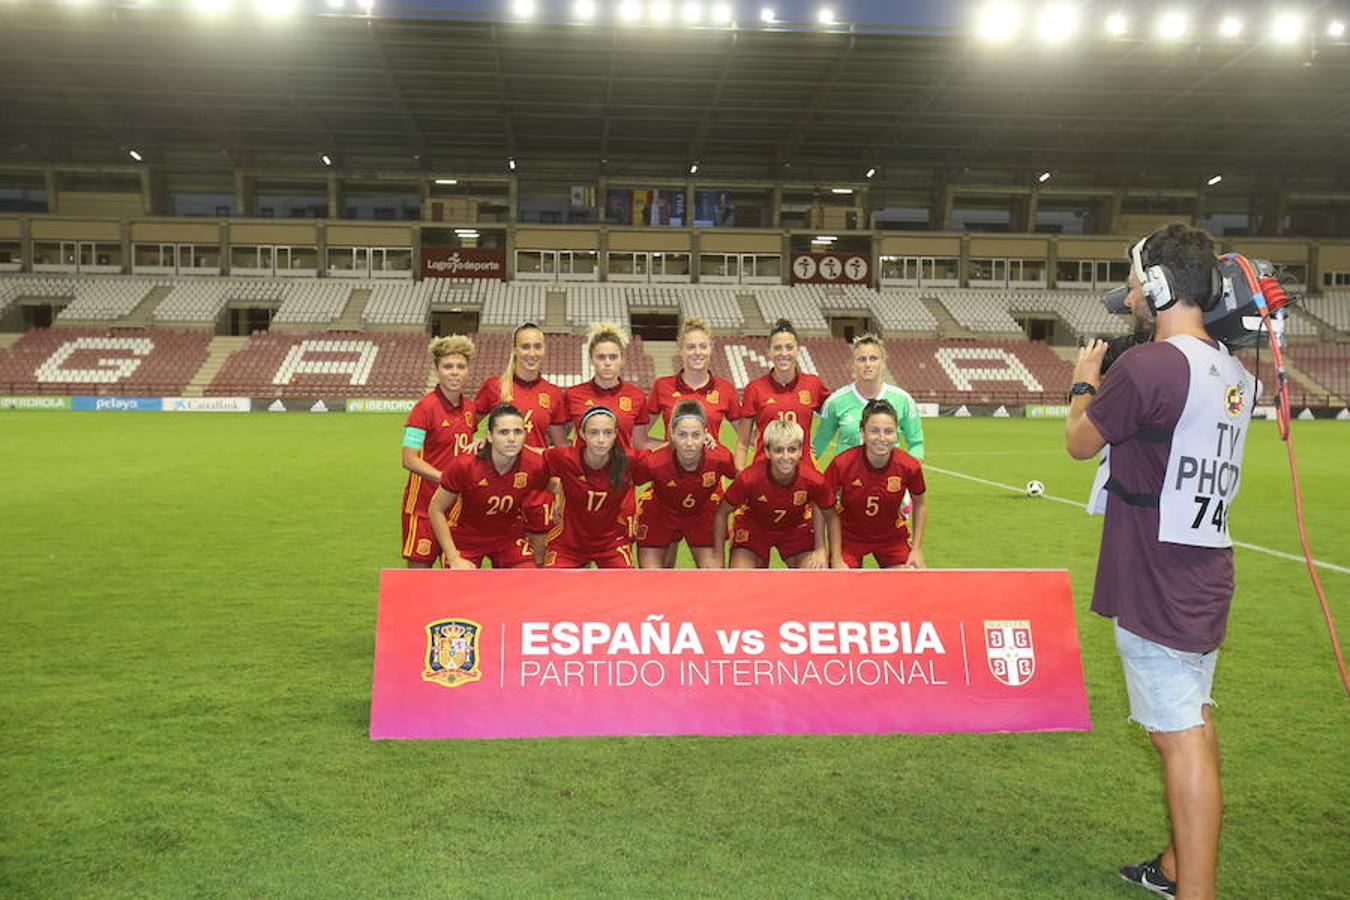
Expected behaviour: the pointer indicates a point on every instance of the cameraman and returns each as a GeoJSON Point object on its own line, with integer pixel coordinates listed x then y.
{"type": "Point", "coordinates": [1175, 412]}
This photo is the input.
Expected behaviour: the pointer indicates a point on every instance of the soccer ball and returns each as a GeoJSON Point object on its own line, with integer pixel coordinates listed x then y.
{"type": "Point", "coordinates": [1035, 488]}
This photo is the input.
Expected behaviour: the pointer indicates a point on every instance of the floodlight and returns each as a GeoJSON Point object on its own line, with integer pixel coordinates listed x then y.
{"type": "Point", "coordinates": [823, 239]}
{"type": "Point", "coordinates": [841, 190]}
{"type": "Point", "coordinates": [584, 9]}
{"type": "Point", "coordinates": [275, 9]}
{"type": "Point", "coordinates": [1214, 180]}
{"type": "Point", "coordinates": [721, 13]}
{"type": "Point", "coordinates": [659, 12]}
{"type": "Point", "coordinates": [766, 15]}
{"type": "Point", "coordinates": [135, 154]}
{"type": "Point", "coordinates": [998, 22]}
{"type": "Point", "coordinates": [447, 181]}
{"type": "Point", "coordinates": [1336, 29]}
{"type": "Point", "coordinates": [1117, 24]}
{"type": "Point", "coordinates": [326, 159]}
{"type": "Point", "coordinates": [692, 12]}
{"type": "Point", "coordinates": [1043, 177]}
{"type": "Point", "coordinates": [630, 10]}
{"type": "Point", "coordinates": [1230, 27]}
{"type": "Point", "coordinates": [1287, 27]}
{"type": "Point", "coordinates": [522, 8]}
{"type": "Point", "coordinates": [511, 163]}
{"type": "Point", "coordinates": [1172, 26]}
{"type": "Point", "coordinates": [872, 171]}
{"type": "Point", "coordinates": [825, 16]}
{"type": "Point", "coordinates": [693, 168]}
{"type": "Point", "coordinates": [1057, 23]}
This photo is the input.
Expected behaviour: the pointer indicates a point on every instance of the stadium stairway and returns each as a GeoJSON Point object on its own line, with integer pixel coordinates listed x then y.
{"type": "Point", "coordinates": [217, 352]}
{"type": "Point", "coordinates": [140, 316]}
{"type": "Point", "coordinates": [664, 355]}
{"type": "Point", "coordinates": [350, 320]}
{"type": "Point", "coordinates": [948, 327]}
{"type": "Point", "coordinates": [754, 320]}
{"type": "Point", "coordinates": [555, 313]}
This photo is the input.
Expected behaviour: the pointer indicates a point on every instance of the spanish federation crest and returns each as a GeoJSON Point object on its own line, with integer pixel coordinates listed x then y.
{"type": "Point", "coordinates": [1233, 399]}
{"type": "Point", "coordinates": [452, 652]}
{"type": "Point", "coordinates": [1012, 658]}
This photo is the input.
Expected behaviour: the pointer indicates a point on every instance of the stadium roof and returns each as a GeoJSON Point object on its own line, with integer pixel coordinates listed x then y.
{"type": "Point", "coordinates": [444, 97]}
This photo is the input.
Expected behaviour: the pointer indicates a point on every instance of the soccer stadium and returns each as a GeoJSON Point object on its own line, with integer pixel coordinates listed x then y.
{"type": "Point", "coordinates": [222, 208]}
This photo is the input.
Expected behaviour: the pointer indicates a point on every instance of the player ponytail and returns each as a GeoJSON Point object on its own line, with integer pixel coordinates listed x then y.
{"type": "Point", "coordinates": [783, 326]}
{"type": "Point", "coordinates": [508, 379]}
{"type": "Point", "coordinates": [878, 407]}
{"type": "Point", "coordinates": [618, 457]}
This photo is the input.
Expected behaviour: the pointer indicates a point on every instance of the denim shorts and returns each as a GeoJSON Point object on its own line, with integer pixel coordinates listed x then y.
{"type": "Point", "coordinates": [1168, 688]}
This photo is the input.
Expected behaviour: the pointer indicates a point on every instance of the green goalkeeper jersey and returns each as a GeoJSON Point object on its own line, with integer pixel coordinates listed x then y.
{"type": "Point", "coordinates": [842, 415]}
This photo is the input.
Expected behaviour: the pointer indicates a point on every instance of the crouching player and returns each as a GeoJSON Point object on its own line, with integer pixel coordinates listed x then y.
{"type": "Point", "coordinates": [596, 479]}
{"type": "Point", "coordinates": [475, 512]}
{"type": "Point", "coordinates": [867, 485]}
{"type": "Point", "coordinates": [778, 503]}
{"type": "Point", "coordinates": [686, 486]}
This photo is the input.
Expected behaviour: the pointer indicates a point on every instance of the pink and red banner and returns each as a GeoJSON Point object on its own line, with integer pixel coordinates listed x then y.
{"type": "Point", "coordinates": [545, 653]}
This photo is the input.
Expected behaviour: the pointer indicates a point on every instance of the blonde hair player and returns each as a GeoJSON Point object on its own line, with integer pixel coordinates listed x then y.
{"type": "Point", "coordinates": [439, 428]}
{"type": "Point", "coordinates": [695, 381]}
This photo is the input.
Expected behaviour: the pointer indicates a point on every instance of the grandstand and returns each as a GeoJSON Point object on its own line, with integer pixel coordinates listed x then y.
{"type": "Point", "coordinates": [90, 361]}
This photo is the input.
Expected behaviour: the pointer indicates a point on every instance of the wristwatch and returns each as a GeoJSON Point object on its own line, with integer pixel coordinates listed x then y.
{"type": "Point", "coordinates": [1081, 387]}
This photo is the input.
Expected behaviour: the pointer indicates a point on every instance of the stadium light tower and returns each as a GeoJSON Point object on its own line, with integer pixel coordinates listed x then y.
{"type": "Point", "coordinates": [275, 9]}
{"type": "Point", "coordinates": [1287, 28]}
{"type": "Point", "coordinates": [1117, 24]}
{"type": "Point", "coordinates": [659, 12]}
{"type": "Point", "coordinates": [584, 9]}
{"type": "Point", "coordinates": [630, 11]}
{"type": "Point", "coordinates": [998, 23]}
{"type": "Point", "coordinates": [692, 12]}
{"type": "Point", "coordinates": [1057, 23]}
{"type": "Point", "coordinates": [825, 15]}
{"type": "Point", "coordinates": [1336, 29]}
{"type": "Point", "coordinates": [1230, 27]}
{"type": "Point", "coordinates": [523, 9]}
{"type": "Point", "coordinates": [336, 4]}
{"type": "Point", "coordinates": [721, 14]}
{"type": "Point", "coordinates": [768, 16]}
{"type": "Point", "coordinates": [367, 6]}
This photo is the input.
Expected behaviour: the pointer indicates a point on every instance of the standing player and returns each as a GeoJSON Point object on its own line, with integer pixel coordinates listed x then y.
{"type": "Point", "coordinates": [695, 382]}
{"type": "Point", "coordinates": [843, 409]}
{"type": "Point", "coordinates": [475, 512]}
{"type": "Point", "coordinates": [686, 487]}
{"type": "Point", "coordinates": [606, 346]}
{"type": "Point", "coordinates": [596, 479]}
{"type": "Point", "coordinates": [524, 387]}
{"type": "Point", "coordinates": [785, 392]}
{"type": "Point", "coordinates": [439, 427]}
{"type": "Point", "coordinates": [778, 503]}
{"type": "Point", "coordinates": [868, 484]}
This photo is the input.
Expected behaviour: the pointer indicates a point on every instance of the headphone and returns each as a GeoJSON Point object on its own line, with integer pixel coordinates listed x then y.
{"type": "Point", "coordinates": [1158, 287]}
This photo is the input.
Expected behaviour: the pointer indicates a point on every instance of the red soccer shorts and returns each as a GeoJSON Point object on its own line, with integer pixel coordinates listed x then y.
{"type": "Point", "coordinates": [749, 535]}
{"type": "Point", "coordinates": [889, 555]}
{"type": "Point", "coordinates": [656, 527]}
{"type": "Point", "coordinates": [505, 553]}
{"type": "Point", "coordinates": [419, 543]}
{"type": "Point", "coordinates": [616, 556]}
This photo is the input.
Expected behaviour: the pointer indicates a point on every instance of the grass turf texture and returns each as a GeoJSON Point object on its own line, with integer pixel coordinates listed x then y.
{"type": "Point", "coordinates": [185, 663]}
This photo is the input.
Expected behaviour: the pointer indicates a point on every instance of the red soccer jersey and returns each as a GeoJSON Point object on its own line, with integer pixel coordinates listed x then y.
{"type": "Point", "coordinates": [449, 431]}
{"type": "Point", "coordinates": [594, 514]}
{"type": "Point", "coordinates": [489, 502]}
{"type": "Point", "coordinates": [540, 401]}
{"type": "Point", "coordinates": [869, 499]}
{"type": "Point", "coordinates": [625, 398]}
{"type": "Point", "coordinates": [773, 506]}
{"type": "Point", "coordinates": [679, 492]}
{"type": "Point", "coordinates": [717, 396]}
{"type": "Point", "coordinates": [797, 401]}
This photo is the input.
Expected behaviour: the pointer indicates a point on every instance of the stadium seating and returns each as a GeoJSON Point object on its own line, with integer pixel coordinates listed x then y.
{"type": "Point", "coordinates": [510, 303]}
{"type": "Point", "coordinates": [319, 364]}
{"type": "Point", "coordinates": [901, 310]}
{"type": "Point", "coordinates": [143, 362]}
{"type": "Point", "coordinates": [315, 300]}
{"type": "Point", "coordinates": [203, 299]}
{"type": "Point", "coordinates": [103, 298]}
{"type": "Point", "coordinates": [1333, 308]}
{"type": "Point", "coordinates": [979, 371]}
{"type": "Point", "coordinates": [590, 303]}
{"type": "Point", "coordinates": [799, 304]}
{"type": "Point", "coordinates": [717, 306]}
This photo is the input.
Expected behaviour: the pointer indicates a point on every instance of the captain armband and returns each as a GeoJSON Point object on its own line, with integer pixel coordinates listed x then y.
{"type": "Point", "coordinates": [414, 437]}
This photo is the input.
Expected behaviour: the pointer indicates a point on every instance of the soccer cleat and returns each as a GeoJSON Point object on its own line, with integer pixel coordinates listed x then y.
{"type": "Point", "coordinates": [1150, 875]}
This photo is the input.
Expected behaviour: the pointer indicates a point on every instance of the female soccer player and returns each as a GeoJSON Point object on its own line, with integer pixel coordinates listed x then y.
{"type": "Point", "coordinates": [439, 427]}
{"type": "Point", "coordinates": [524, 387]}
{"type": "Point", "coordinates": [686, 486]}
{"type": "Point", "coordinates": [606, 345]}
{"type": "Point", "coordinates": [867, 486]}
{"type": "Point", "coordinates": [778, 503]}
{"type": "Point", "coordinates": [596, 479]}
{"type": "Point", "coordinates": [785, 392]}
{"type": "Point", "coordinates": [843, 409]}
{"type": "Point", "coordinates": [475, 512]}
{"type": "Point", "coordinates": [695, 382]}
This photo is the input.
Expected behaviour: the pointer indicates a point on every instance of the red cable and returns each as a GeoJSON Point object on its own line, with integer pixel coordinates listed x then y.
{"type": "Point", "coordinates": [1283, 417]}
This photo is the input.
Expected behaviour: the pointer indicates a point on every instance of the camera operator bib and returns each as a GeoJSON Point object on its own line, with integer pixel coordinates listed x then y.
{"type": "Point", "coordinates": [1204, 466]}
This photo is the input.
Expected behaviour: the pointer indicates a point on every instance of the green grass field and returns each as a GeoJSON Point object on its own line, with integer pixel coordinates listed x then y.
{"type": "Point", "coordinates": [189, 609]}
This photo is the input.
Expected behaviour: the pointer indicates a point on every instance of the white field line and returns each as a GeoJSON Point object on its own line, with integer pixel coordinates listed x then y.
{"type": "Point", "coordinates": [1081, 504]}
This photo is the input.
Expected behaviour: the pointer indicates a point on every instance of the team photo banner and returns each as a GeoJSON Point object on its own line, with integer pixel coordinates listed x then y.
{"type": "Point", "coordinates": [549, 653]}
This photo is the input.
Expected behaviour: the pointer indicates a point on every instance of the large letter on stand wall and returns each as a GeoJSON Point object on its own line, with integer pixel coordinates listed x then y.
{"type": "Point", "coordinates": [534, 653]}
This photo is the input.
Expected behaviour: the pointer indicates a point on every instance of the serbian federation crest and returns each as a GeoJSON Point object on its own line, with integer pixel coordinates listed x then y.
{"type": "Point", "coordinates": [1012, 656]}
{"type": "Point", "coordinates": [452, 652]}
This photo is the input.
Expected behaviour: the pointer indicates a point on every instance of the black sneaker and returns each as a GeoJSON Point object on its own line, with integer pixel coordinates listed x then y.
{"type": "Point", "coordinates": [1150, 875]}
